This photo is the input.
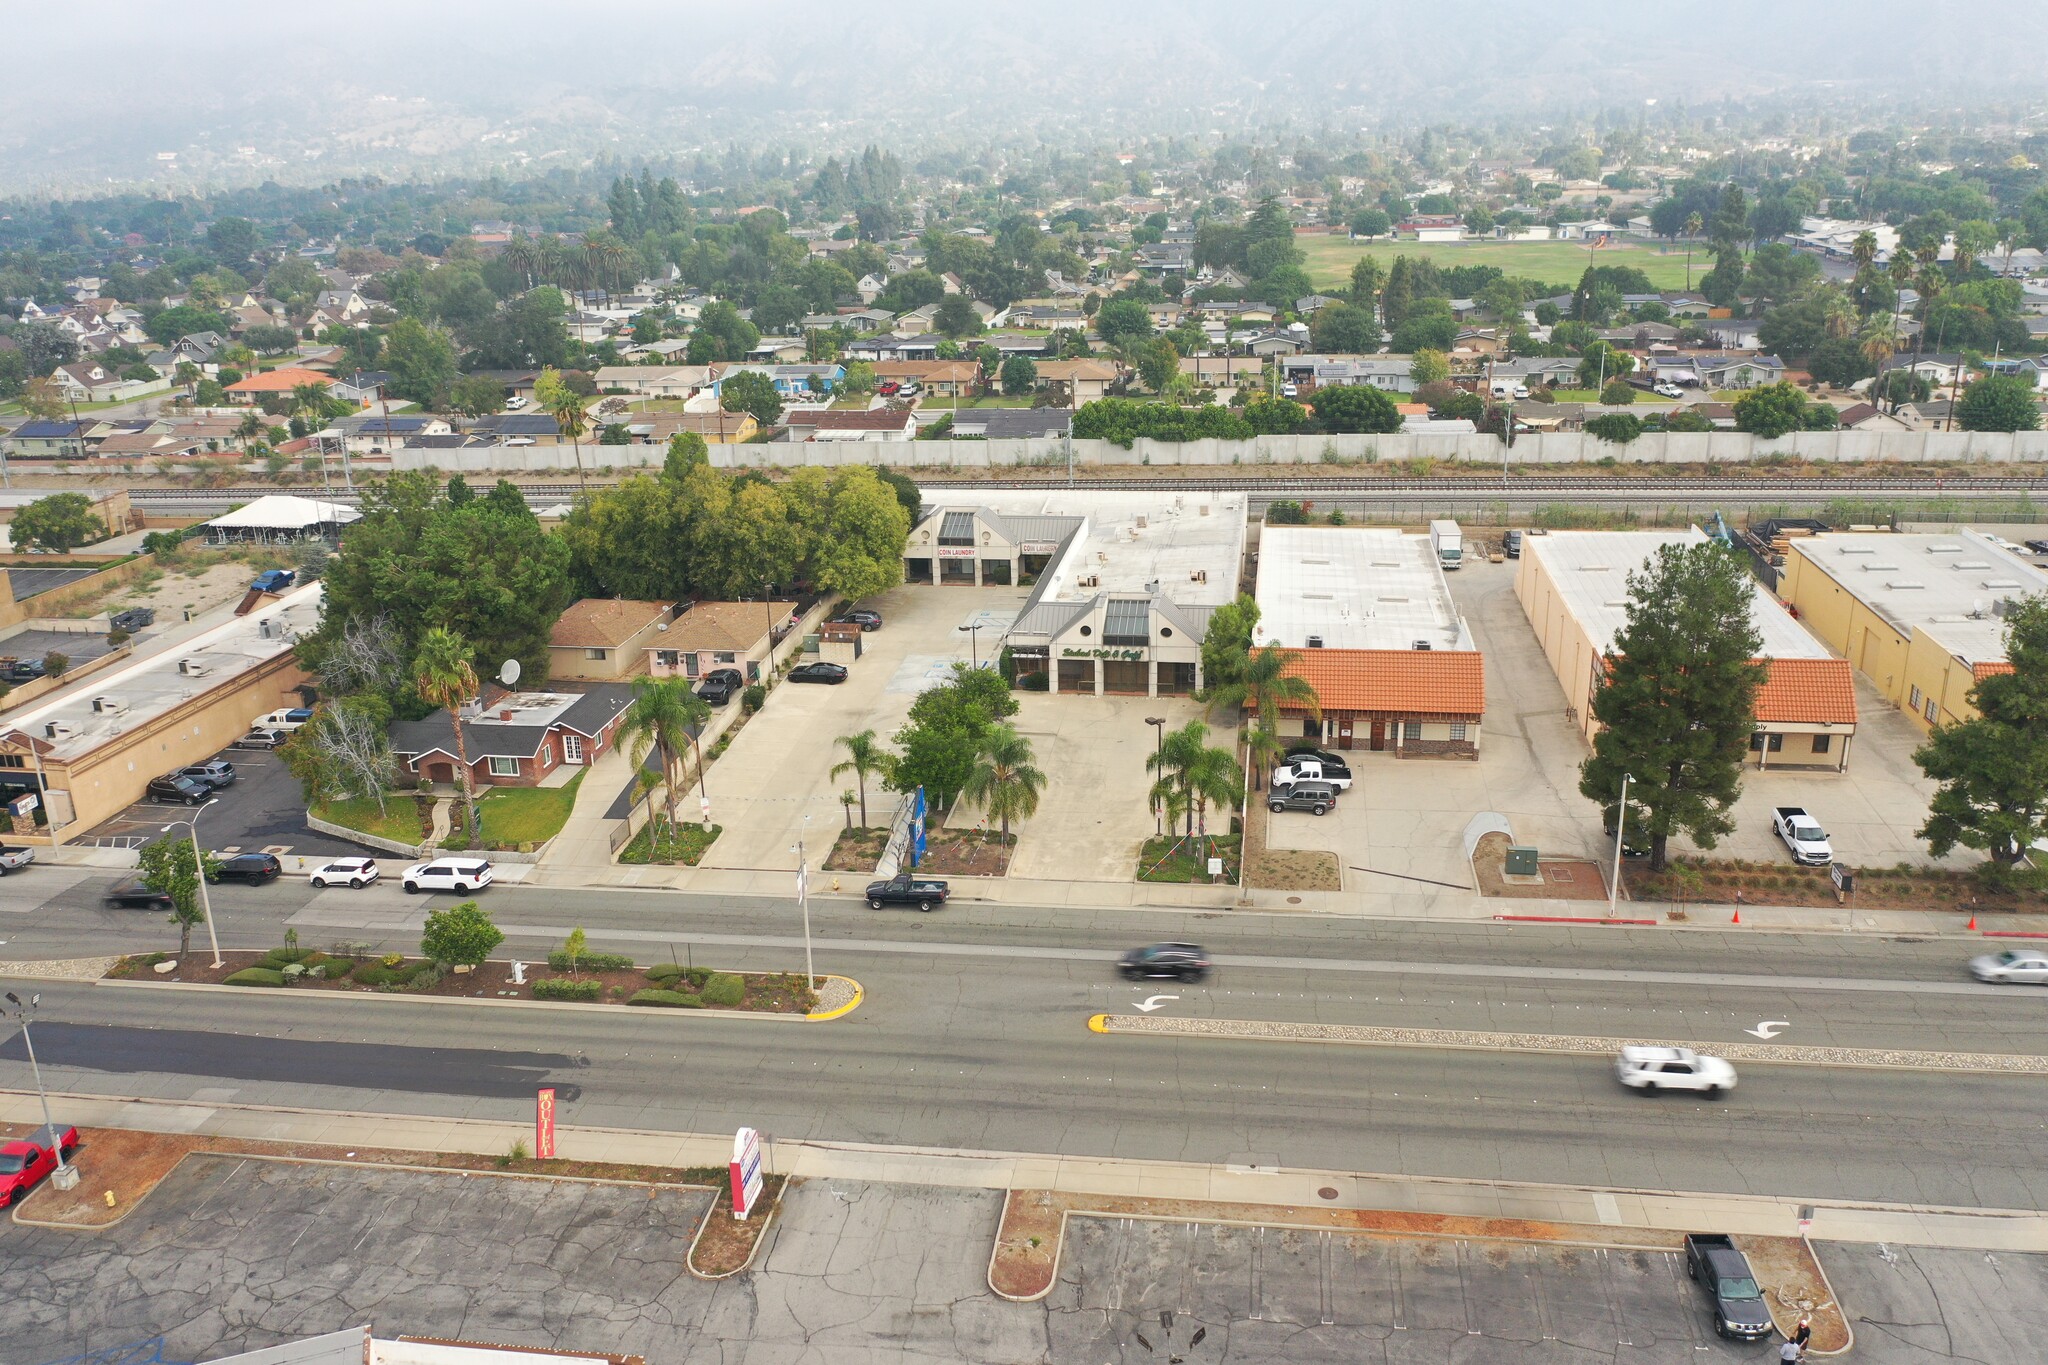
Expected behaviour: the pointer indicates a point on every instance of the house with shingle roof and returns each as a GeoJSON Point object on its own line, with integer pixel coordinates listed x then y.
{"type": "Point", "coordinates": [601, 639]}
{"type": "Point", "coordinates": [516, 739]}
{"type": "Point", "coordinates": [704, 636]}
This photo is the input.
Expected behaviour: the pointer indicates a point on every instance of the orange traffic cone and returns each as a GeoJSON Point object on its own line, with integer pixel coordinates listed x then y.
{"type": "Point", "coordinates": [1972, 924]}
{"type": "Point", "coordinates": [1737, 919]}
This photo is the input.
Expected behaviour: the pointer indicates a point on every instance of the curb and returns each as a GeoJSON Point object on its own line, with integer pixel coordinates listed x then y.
{"type": "Point", "coordinates": [827, 1016]}
{"type": "Point", "coordinates": [404, 996]}
{"type": "Point", "coordinates": [1848, 1323]}
{"type": "Point", "coordinates": [767, 1221]}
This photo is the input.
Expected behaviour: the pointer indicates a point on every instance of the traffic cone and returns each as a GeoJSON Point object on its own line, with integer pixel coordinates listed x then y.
{"type": "Point", "coordinates": [1972, 924]}
{"type": "Point", "coordinates": [1737, 919]}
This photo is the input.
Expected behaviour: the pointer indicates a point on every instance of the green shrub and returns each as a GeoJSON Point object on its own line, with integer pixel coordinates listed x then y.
{"type": "Point", "coordinates": [752, 698]}
{"type": "Point", "coordinates": [674, 1000]}
{"type": "Point", "coordinates": [664, 972]}
{"type": "Point", "coordinates": [422, 976]}
{"type": "Point", "coordinates": [279, 958]}
{"type": "Point", "coordinates": [697, 976]}
{"type": "Point", "coordinates": [724, 990]}
{"type": "Point", "coordinates": [372, 974]}
{"type": "Point", "coordinates": [590, 962]}
{"type": "Point", "coordinates": [561, 988]}
{"type": "Point", "coordinates": [255, 976]}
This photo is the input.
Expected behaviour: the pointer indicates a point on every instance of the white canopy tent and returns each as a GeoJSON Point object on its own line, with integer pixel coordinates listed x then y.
{"type": "Point", "coordinates": [280, 516]}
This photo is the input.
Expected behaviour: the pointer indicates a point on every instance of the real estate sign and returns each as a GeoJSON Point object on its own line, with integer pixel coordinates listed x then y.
{"type": "Point", "coordinates": [746, 1172]}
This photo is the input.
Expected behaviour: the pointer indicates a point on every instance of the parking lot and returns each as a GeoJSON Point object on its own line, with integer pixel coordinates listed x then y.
{"type": "Point", "coordinates": [264, 811]}
{"type": "Point", "coordinates": [1406, 819]}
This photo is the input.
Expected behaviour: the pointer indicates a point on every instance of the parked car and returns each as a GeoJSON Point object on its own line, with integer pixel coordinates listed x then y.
{"type": "Point", "coordinates": [1511, 544]}
{"type": "Point", "coordinates": [905, 889]}
{"type": "Point", "coordinates": [261, 737]}
{"type": "Point", "coordinates": [27, 1160]}
{"type": "Point", "coordinates": [19, 671]}
{"type": "Point", "coordinates": [1713, 1263]}
{"type": "Point", "coordinates": [1803, 835]}
{"type": "Point", "coordinates": [1313, 797]}
{"type": "Point", "coordinates": [818, 673]}
{"type": "Point", "coordinates": [132, 620]}
{"type": "Point", "coordinates": [2039, 547]}
{"type": "Point", "coordinates": [515, 403]}
{"type": "Point", "coordinates": [888, 388]}
{"type": "Point", "coordinates": [172, 787]}
{"type": "Point", "coordinates": [2028, 965]}
{"type": "Point", "coordinates": [1302, 768]}
{"type": "Point", "coordinates": [1290, 391]}
{"type": "Point", "coordinates": [1634, 845]}
{"type": "Point", "coordinates": [1669, 390]}
{"type": "Point", "coordinates": [1180, 961]}
{"type": "Point", "coordinates": [253, 868]}
{"type": "Point", "coordinates": [274, 580]}
{"type": "Point", "coordinates": [215, 772]}
{"type": "Point", "coordinates": [288, 719]}
{"type": "Point", "coordinates": [15, 859]}
{"type": "Point", "coordinates": [350, 872]}
{"type": "Point", "coordinates": [719, 684]}
{"type": "Point", "coordinates": [1673, 1068]}
{"type": "Point", "coordinates": [1333, 763]}
{"type": "Point", "coordinates": [130, 891]}
{"type": "Point", "coordinates": [460, 875]}
{"type": "Point", "coordinates": [864, 617]}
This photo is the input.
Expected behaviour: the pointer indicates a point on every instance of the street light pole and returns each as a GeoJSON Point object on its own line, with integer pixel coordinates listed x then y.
{"type": "Point", "coordinates": [1620, 831]}
{"type": "Point", "coordinates": [1158, 724]}
{"type": "Point", "coordinates": [973, 633]}
{"type": "Point", "coordinates": [199, 869]}
{"type": "Point", "coordinates": [64, 1177]}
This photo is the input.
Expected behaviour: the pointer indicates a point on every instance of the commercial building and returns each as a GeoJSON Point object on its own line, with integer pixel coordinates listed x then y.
{"type": "Point", "coordinates": [1573, 586]}
{"type": "Point", "coordinates": [1365, 616]}
{"type": "Point", "coordinates": [1920, 615]}
{"type": "Point", "coordinates": [1123, 584]}
{"type": "Point", "coordinates": [89, 754]}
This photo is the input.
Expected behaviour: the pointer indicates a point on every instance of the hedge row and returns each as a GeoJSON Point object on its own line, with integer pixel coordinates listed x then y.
{"type": "Point", "coordinates": [667, 999]}
{"type": "Point", "coordinates": [561, 988]}
{"type": "Point", "coordinates": [669, 971]}
{"type": "Point", "coordinates": [590, 962]}
{"type": "Point", "coordinates": [255, 976]}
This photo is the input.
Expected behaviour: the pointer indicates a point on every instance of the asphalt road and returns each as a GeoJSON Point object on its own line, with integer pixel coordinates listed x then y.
{"type": "Point", "coordinates": [973, 1036]}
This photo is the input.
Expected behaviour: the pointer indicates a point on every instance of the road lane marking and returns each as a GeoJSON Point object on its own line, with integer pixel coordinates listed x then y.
{"type": "Point", "coordinates": [1769, 1028]}
{"type": "Point", "coordinates": [1776, 1054]}
{"type": "Point", "coordinates": [1154, 1002]}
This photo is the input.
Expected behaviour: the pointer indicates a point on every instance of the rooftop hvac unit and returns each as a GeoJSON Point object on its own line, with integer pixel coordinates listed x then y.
{"type": "Point", "coordinates": [192, 668]}
{"type": "Point", "coordinates": [1423, 644]}
{"type": "Point", "coordinates": [109, 706]}
{"type": "Point", "coordinates": [57, 729]}
{"type": "Point", "coordinates": [1142, 523]}
{"type": "Point", "coordinates": [1315, 642]}
{"type": "Point", "coordinates": [1199, 576]}
{"type": "Point", "coordinates": [266, 629]}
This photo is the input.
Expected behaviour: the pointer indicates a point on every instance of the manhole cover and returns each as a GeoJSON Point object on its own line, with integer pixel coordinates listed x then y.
{"type": "Point", "coordinates": [1326, 1192]}
{"type": "Point", "coordinates": [1559, 874]}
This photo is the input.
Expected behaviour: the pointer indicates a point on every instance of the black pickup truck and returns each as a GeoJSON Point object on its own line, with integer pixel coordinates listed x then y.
{"type": "Point", "coordinates": [904, 889]}
{"type": "Point", "coordinates": [1713, 1263]}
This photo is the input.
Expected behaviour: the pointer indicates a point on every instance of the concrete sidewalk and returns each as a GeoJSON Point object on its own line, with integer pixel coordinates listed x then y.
{"type": "Point", "coordinates": [1905, 1225]}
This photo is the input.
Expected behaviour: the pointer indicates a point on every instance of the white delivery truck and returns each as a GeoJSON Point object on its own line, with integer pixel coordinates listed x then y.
{"type": "Point", "coordinates": [1448, 542]}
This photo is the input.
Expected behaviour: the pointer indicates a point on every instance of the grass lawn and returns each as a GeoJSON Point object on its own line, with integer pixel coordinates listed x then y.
{"type": "Point", "coordinates": [686, 844]}
{"type": "Point", "coordinates": [1560, 263]}
{"type": "Point", "coordinates": [400, 821]}
{"type": "Point", "coordinates": [1189, 860]}
{"type": "Point", "coordinates": [1577, 396]}
{"type": "Point", "coordinates": [526, 815]}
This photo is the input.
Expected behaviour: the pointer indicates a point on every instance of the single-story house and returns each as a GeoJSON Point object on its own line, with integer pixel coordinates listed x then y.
{"type": "Point", "coordinates": [1394, 373]}
{"type": "Point", "coordinates": [604, 639]}
{"type": "Point", "coordinates": [945, 378]}
{"type": "Point", "coordinates": [1084, 381]}
{"type": "Point", "coordinates": [270, 383]}
{"type": "Point", "coordinates": [708, 635]}
{"type": "Point", "coordinates": [517, 739]}
{"type": "Point", "coordinates": [56, 439]}
{"type": "Point", "coordinates": [717, 427]}
{"type": "Point", "coordinates": [1738, 372]}
{"type": "Point", "coordinates": [1006, 424]}
{"type": "Point", "coordinates": [834, 424]}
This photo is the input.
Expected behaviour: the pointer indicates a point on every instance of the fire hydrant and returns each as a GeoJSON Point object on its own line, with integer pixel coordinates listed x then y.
{"type": "Point", "coordinates": [835, 883]}
{"type": "Point", "coordinates": [110, 1198]}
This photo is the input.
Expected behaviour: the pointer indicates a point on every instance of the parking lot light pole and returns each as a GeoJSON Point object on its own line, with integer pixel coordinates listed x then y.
{"type": "Point", "coordinates": [199, 869]}
{"type": "Point", "coordinates": [973, 641]}
{"type": "Point", "coordinates": [1620, 832]}
{"type": "Point", "coordinates": [63, 1177]}
{"type": "Point", "coordinates": [803, 899]}
{"type": "Point", "coordinates": [1158, 724]}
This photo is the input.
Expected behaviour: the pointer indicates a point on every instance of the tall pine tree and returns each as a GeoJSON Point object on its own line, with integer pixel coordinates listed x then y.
{"type": "Point", "coordinates": [1993, 768]}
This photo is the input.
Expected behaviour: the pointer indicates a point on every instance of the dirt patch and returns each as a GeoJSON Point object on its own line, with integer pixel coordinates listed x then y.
{"type": "Point", "coordinates": [725, 1244]}
{"type": "Point", "coordinates": [1794, 1287]}
{"type": "Point", "coordinates": [1028, 1238]}
{"type": "Point", "coordinates": [1564, 879]}
{"type": "Point", "coordinates": [1285, 869]}
{"type": "Point", "coordinates": [764, 992]}
{"type": "Point", "coordinates": [857, 850]}
{"type": "Point", "coordinates": [966, 853]}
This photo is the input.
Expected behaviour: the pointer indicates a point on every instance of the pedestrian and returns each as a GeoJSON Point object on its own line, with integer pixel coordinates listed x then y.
{"type": "Point", "coordinates": [1790, 1351]}
{"type": "Point", "coordinates": [1803, 1333]}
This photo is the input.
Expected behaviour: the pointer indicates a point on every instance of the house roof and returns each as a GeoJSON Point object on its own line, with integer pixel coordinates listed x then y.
{"type": "Point", "coordinates": [875, 419]}
{"type": "Point", "coordinates": [1014, 423]}
{"type": "Point", "coordinates": [1426, 681]}
{"type": "Point", "coordinates": [724, 625]}
{"type": "Point", "coordinates": [281, 380]}
{"type": "Point", "coordinates": [1066, 371]}
{"type": "Point", "coordinates": [597, 622]}
{"type": "Point", "coordinates": [1807, 691]}
{"type": "Point", "coordinates": [484, 736]}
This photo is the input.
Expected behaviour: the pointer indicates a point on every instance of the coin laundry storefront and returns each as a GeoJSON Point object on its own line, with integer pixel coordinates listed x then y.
{"type": "Point", "coordinates": [963, 547]}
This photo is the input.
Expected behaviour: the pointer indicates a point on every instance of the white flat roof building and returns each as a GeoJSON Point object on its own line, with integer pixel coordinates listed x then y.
{"type": "Point", "coordinates": [1353, 589]}
{"type": "Point", "coordinates": [1949, 584]}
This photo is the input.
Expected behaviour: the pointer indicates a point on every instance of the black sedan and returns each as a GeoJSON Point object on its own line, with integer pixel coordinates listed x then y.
{"type": "Point", "coordinates": [253, 868]}
{"type": "Point", "coordinates": [818, 673]}
{"type": "Point", "coordinates": [719, 684]}
{"type": "Point", "coordinates": [130, 891]}
{"type": "Point", "coordinates": [1180, 961]}
{"type": "Point", "coordinates": [174, 787]}
{"type": "Point", "coordinates": [1335, 769]}
{"type": "Point", "coordinates": [863, 617]}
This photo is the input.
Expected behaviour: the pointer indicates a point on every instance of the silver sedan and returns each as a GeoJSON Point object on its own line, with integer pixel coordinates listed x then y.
{"type": "Point", "coordinates": [2028, 965]}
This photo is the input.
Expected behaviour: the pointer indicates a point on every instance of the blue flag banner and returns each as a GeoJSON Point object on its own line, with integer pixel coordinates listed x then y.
{"type": "Point", "coordinates": [917, 829]}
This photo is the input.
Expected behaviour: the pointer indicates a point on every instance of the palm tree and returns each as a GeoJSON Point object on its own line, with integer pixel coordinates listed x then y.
{"type": "Point", "coordinates": [865, 758]}
{"type": "Point", "coordinates": [570, 417]}
{"type": "Point", "coordinates": [551, 256]}
{"type": "Point", "coordinates": [1175, 757]}
{"type": "Point", "coordinates": [442, 672]}
{"type": "Point", "coordinates": [659, 718]}
{"type": "Point", "coordinates": [1863, 250]}
{"type": "Point", "coordinates": [1215, 779]}
{"type": "Point", "coordinates": [1265, 685]}
{"type": "Point", "coordinates": [1004, 781]}
{"type": "Point", "coordinates": [310, 401]}
{"type": "Point", "coordinates": [521, 255]}
{"type": "Point", "coordinates": [248, 429]}
{"type": "Point", "coordinates": [1692, 231]}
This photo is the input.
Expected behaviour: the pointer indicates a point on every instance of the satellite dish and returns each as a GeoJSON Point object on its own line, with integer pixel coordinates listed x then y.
{"type": "Point", "coordinates": [508, 673]}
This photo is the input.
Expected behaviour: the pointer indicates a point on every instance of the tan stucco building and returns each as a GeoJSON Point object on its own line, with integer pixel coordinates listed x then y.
{"type": "Point", "coordinates": [604, 639]}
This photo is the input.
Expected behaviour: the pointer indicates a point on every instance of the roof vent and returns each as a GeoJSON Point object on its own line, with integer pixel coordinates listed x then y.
{"type": "Point", "coordinates": [109, 706]}
{"type": "Point", "coordinates": [1423, 644]}
{"type": "Point", "coordinates": [1903, 584]}
{"type": "Point", "coordinates": [192, 668]}
{"type": "Point", "coordinates": [1944, 548]}
{"type": "Point", "coordinates": [1315, 642]}
{"type": "Point", "coordinates": [2002, 583]}
{"type": "Point", "coordinates": [57, 729]}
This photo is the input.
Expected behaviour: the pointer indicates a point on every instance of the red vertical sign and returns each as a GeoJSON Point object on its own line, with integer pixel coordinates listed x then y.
{"type": "Point", "coordinates": [544, 1123]}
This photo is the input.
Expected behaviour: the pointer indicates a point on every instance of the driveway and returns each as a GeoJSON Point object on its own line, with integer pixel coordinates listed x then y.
{"type": "Point", "coordinates": [777, 773]}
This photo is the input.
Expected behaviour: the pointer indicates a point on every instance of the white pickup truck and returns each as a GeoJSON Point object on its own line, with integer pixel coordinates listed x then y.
{"type": "Point", "coordinates": [1301, 769]}
{"type": "Point", "coordinates": [1803, 835]}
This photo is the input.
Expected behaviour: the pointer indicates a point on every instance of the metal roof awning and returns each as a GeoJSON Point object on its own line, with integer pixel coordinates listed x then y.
{"type": "Point", "coordinates": [957, 529]}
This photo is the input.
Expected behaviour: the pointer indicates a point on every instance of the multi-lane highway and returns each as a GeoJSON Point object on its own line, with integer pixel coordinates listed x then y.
{"type": "Point", "coordinates": [973, 1035]}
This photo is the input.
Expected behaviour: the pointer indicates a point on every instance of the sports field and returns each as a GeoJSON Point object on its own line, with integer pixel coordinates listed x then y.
{"type": "Point", "coordinates": [1330, 259]}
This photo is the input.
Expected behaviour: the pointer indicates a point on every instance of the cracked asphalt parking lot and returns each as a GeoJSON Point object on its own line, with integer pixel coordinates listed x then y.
{"type": "Point", "coordinates": [232, 1254]}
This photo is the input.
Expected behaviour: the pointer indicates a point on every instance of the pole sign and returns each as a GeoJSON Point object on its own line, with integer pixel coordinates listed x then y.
{"type": "Point", "coordinates": [544, 1123]}
{"type": "Point", "coordinates": [917, 829]}
{"type": "Point", "coordinates": [746, 1172]}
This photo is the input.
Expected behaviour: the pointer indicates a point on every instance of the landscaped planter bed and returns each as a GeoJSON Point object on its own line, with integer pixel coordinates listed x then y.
{"type": "Point", "coordinates": [948, 852]}
{"type": "Point", "coordinates": [663, 985]}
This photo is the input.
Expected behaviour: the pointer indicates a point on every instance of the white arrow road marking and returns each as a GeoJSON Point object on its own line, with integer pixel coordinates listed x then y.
{"type": "Point", "coordinates": [1155, 1002]}
{"type": "Point", "coordinates": [1769, 1028]}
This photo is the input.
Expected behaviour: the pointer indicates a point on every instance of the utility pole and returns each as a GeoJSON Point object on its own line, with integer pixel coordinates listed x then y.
{"type": "Point", "coordinates": [1620, 831]}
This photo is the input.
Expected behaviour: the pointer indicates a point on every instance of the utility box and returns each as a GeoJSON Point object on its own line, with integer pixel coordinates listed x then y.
{"type": "Point", "coordinates": [1521, 861]}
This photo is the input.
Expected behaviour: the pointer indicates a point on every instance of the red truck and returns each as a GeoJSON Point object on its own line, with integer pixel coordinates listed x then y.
{"type": "Point", "coordinates": [24, 1161]}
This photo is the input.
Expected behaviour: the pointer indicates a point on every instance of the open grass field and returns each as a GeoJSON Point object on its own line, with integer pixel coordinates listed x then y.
{"type": "Point", "coordinates": [1561, 263]}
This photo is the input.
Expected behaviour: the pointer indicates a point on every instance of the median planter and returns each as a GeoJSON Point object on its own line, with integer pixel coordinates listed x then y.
{"type": "Point", "coordinates": [303, 971]}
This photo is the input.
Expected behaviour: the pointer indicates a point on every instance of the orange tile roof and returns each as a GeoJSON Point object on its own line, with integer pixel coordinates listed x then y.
{"type": "Point", "coordinates": [1416, 681]}
{"type": "Point", "coordinates": [1979, 671]}
{"type": "Point", "coordinates": [279, 381]}
{"type": "Point", "coordinates": [1806, 691]}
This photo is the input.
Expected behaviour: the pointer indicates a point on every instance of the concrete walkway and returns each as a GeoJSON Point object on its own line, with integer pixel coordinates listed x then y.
{"type": "Point", "coordinates": [1909, 1225]}
{"type": "Point", "coordinates": [585, 841]}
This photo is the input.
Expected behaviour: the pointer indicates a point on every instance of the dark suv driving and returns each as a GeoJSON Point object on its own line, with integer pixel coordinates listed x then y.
{"type": "Point", "coordinates": [1179, 961]}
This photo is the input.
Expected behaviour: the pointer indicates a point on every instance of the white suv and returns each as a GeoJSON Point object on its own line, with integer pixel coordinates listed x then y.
{"type": "Point", "coordinates": [460, 875]}
{"type": "Point", "coordinates": [1674, 1068]}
